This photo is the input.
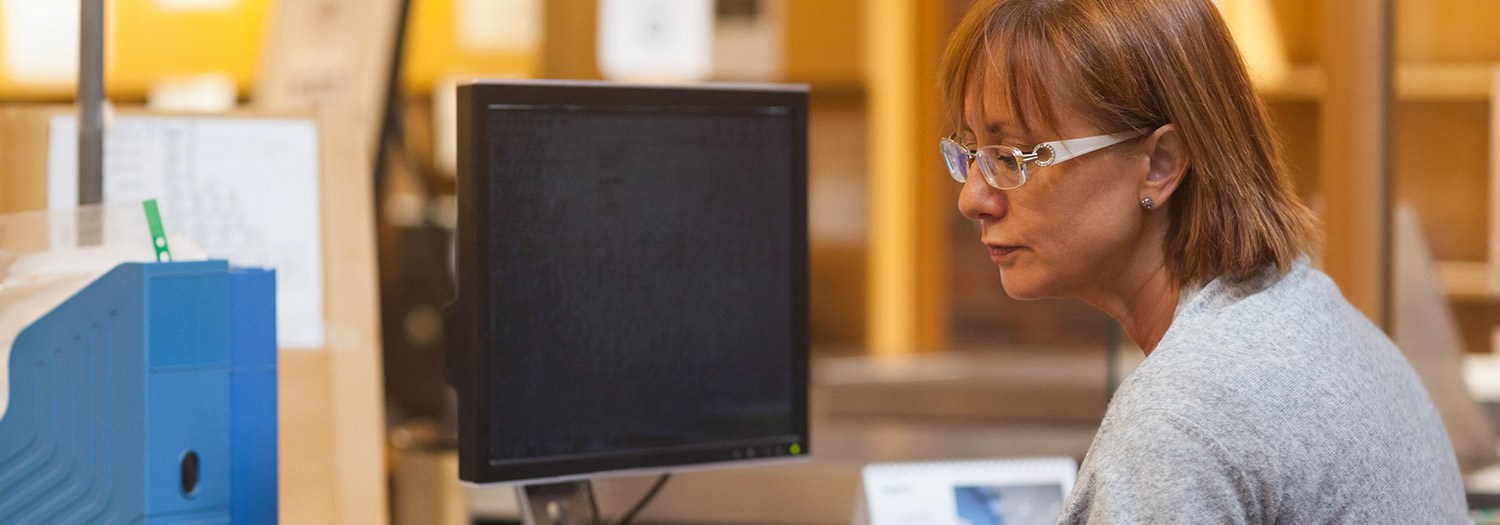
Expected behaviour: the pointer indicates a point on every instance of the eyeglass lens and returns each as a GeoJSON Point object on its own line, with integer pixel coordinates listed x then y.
{"type": "Point", "coordinates": [999, 165]}
{"type": "Point", "coordinates": [957, 159]}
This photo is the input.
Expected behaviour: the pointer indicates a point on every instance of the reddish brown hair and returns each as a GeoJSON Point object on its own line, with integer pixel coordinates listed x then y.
{"type": "Point", "coordinates": [1137, 65]}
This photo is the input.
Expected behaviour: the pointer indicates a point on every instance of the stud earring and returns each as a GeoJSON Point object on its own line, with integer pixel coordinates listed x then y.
{"type": "Point", "coordinates": [1147, 203]}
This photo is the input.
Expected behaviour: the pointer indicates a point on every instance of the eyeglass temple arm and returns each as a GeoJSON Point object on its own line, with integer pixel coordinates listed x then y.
{"type": "Point", "coordinates": [1067, 149]}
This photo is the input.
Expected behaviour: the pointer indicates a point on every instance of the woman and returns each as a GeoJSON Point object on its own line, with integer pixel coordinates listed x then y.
{"type": "Point", "coordinates": [1113, 151]}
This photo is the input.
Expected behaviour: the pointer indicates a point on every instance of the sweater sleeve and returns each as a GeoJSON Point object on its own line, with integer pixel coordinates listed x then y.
{"type": "Point", "coordinates": [1154, 466]}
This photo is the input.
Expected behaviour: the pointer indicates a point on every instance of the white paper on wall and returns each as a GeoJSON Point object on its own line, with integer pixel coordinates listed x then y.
{"type": "Point", "coordinates": [243, 189]}
{"type": "Point", "coordinates": [656, 40]}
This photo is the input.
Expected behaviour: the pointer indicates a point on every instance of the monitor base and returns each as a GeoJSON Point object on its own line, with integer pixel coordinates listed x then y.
{"type": "Point", "coordinates": [570, 503]}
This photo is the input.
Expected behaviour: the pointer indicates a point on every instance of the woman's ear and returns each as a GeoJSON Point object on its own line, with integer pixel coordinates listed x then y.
{"type": "Point", "coordinates": [1169, 163]}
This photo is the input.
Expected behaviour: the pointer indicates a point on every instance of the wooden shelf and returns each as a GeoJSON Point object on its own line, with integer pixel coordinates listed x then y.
{"type": "Point", "coordinates": [1303, 82]}
{"type": "Point", "coordinates": [1432, 81]}
{"type": "Point", "coordinates": [1468, 282]}
{"type": "Point", "coordinates": [1445, 81]}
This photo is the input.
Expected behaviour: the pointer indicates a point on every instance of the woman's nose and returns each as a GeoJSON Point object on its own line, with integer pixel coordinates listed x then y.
{"type": "Point", "coordinates": [978, 201]}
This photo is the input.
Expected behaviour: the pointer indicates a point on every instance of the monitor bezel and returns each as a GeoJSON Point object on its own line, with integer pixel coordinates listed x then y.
{"type": "Point", "coordinates": [468, 363]}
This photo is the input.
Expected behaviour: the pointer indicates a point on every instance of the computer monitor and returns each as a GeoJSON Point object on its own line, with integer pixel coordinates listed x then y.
{"type": "Point", "coordinates": [631, 278]}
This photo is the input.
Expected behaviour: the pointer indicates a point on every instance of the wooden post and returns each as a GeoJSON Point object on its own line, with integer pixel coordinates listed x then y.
{"type": "Point", "coordinates": [907, 284]}
{"type": "Point", "coordinates": [569, 39]}
{"type": "Point", "coordinates": [1356, 164]}
{"type": "Point", "coordinates": [333, 58]}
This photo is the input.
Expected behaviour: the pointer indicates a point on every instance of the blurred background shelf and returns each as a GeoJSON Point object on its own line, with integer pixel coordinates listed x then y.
{"type": "Point", "coordinates": [1415, 81]}
{"type": "Point", "coordinates": [1469, 282]}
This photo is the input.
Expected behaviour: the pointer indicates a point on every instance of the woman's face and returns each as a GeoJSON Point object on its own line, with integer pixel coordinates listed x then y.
{"type": "Point", "coordinates": [1073, 228]}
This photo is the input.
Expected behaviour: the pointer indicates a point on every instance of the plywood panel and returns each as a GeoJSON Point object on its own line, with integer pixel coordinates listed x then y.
{"type": "Point", "coordinates": [353, 313]}
{"type": "Point", "coordinates": [330, 54]}
{"type": "Point", "coordinates": [333, 57]}
{"type": "Point", "coordinates": [308, 474]}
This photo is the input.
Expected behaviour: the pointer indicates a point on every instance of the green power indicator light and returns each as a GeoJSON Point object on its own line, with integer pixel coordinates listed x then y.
{"type": "Point", "coordinates": [796, 449]}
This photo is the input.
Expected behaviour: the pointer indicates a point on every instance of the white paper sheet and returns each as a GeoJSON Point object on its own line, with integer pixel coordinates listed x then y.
{"type": "Point", "coordinates": [243, 189]}
{"type": "Point", "coordinates": [656, 40]}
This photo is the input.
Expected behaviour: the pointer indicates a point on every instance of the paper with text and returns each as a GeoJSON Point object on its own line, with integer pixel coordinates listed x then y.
{"type": "Point", "coordinates": [245, 189]}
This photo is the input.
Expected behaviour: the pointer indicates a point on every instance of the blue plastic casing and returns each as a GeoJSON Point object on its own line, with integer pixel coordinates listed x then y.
{"type": "Point", "coordinates": [111, 390]}
{"type": "Point", "coordinates": [252, 396]}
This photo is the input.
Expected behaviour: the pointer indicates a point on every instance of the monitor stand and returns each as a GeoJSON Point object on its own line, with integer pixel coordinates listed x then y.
{"type": "Point", "coordinates": [570, 503]}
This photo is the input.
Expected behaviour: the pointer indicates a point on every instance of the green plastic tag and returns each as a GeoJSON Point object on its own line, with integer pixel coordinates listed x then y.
{"type": "Point", "coordinates": [158, 235]}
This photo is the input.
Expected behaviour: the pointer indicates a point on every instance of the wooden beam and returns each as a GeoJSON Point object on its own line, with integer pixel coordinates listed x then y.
{"type": "Point", "coordinates": [908, 204]}
{"type": "Point", "coordinates": [352, 310]}
{"type": "Point", "coordinates": [1356, 163]}
{"type": "Point", "coordinates": [569, 39]}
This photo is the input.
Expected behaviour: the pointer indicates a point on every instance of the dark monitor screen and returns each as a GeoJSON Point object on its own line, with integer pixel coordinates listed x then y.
{"type": "Point", "coordinates": [632, 286]}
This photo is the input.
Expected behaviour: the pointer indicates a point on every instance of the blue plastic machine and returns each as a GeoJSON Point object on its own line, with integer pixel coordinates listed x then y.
{"type": "Point", "coordinates": [148, 397]}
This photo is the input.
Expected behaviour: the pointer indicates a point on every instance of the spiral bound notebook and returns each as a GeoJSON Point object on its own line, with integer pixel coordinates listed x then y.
{"type": "Point", "coordinates": [979, 492]}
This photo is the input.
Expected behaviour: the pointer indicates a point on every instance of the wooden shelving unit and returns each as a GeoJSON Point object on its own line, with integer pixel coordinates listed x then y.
{"type": "Point", "coordinates": [1444, 138]}
{"type": "Point", "coordinates": [1434, 81]}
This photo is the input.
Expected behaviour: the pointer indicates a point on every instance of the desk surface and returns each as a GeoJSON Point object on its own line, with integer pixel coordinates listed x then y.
{"type": "Point", "coordinates": [922, 408]}
{"type": "Point", "coordinates": [824, 489]}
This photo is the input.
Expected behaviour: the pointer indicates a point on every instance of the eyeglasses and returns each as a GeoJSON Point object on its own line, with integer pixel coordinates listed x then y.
{"type": "Point", "coordinates": [1004, 167]}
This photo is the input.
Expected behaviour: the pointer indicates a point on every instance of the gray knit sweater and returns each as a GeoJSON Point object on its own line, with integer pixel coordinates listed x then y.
{"type": "Point", "coordinates": [1282, 404]}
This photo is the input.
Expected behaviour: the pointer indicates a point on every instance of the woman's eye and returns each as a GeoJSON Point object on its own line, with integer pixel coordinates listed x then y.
{"type": "Point", "coordinates": [1009, 161]}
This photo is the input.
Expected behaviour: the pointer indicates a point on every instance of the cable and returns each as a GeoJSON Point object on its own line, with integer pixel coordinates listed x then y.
{"type": "Point", "coordinates": [651, 493]}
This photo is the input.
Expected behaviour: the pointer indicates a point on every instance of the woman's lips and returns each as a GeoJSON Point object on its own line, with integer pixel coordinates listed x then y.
{"type": "Point", "coordinates": [999, 252]}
